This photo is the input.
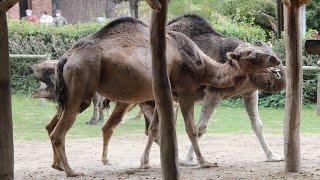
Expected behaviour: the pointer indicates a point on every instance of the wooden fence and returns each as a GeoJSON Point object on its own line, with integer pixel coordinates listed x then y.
{"type": "Point", "coordinates": [48, 57]}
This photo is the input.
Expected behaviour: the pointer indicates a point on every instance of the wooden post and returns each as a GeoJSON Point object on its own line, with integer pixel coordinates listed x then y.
{"type": "Point", "coordinates": [6, 136]}
{"type": "Point", "coordinates": [6, 132]}
{"type": "Point", "coordinates": [293, 86]}
{"type": "Point", "coordinates": [162, 94]}
{"type": "Point", "coordinates": [279, 18]}
{"type": "Point", "coordinates": [318, 92]}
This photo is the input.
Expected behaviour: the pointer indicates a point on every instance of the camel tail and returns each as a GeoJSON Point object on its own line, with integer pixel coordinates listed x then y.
{"type": "Point", "coordinates": [60, 86]}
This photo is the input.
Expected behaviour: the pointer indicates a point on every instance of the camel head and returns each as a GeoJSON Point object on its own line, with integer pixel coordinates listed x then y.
{"type": "Point", "coordinates": [44, 72]}
{"type": "Point", "coordinates": [256, 58]}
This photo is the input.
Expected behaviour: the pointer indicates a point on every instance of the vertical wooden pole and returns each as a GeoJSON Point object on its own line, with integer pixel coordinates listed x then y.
{"type": "Point", "coordinates": [6, 136]}
{"type": "Point", "coordinates": [294, 88]}
{"type": "Point", "coordinates": [279, 18]}
{"type": "Point", "coordinates": [162, 94]}
{"type": "Point", "coordinates": [318, 92]}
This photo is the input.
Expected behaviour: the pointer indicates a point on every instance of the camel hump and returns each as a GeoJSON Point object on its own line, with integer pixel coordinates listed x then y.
{"type": "Point", "coordinates": [119, 25]}
{"type": "Point", "coordinates": [189, 52]}
{"type": "Point", "coordinates": [192, 24]}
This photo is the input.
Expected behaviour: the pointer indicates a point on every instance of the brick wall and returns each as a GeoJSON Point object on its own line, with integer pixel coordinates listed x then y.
{"type": "Point", "coordinates": [41, 5]}
{"type": "Point", "coordinates": [82, 10]}
{"type": "Point", "coordinates": [36, 5]}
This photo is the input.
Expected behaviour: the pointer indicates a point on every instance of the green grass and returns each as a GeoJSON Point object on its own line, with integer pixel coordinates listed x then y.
{"type": "Point", "coordinates": [29, 120]}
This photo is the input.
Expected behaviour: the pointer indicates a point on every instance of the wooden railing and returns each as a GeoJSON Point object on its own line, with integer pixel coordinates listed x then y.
{"type": "Point", "coordinates": [29, 56]}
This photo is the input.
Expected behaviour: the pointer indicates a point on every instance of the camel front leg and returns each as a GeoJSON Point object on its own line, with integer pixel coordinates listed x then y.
{"type": "Point", "coordinates": [100, 106]}
{"type": "Point", "coordinates": [110, 125]}
{"type": "Point", "coordinates": [152, 135]}
{"type": "Point", "coordinates": [209, 104]}
{"type": "Point", "coordinates": [187, 109]}
{"type": "Point", "coordinates": [94, 119]}
{"type": "Point", "coordinates": [251, 105]}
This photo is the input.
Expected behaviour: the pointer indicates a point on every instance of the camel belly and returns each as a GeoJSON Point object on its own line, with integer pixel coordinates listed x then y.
{"type": "Point", "coordinates": [128, 83]}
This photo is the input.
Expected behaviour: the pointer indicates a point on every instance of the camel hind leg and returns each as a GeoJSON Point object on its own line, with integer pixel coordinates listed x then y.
{"type": "Point", "coordinates": [75, 90]}
{"type": "Point", "coordinates": [57, 164]}
{"type": "Point", "coordinates": [111, 124]}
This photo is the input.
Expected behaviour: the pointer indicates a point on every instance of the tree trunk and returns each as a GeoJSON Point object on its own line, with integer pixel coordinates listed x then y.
{"type": "Point", "coordinates": [294, 88]}
{"type": "Point", "coordinates": [23, 6]}
{"type": "Point", "coordinates": [279, 18]}
{"type": "Point", "coordinates": [110, 9]}
{"type": "Point", "coordinates": [133, 8]}
{"type": "Point", "coordinates": [6, 136]}
{"type": "Point", "coordinates": [163, 96]}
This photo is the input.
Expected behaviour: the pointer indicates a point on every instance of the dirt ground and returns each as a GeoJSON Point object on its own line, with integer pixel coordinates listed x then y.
{"type": "Point", "coordinates": [238, 157]}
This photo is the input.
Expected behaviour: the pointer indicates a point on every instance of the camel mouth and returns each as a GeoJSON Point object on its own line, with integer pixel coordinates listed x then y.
{"type": "Point", "coordinates": [274, 72]}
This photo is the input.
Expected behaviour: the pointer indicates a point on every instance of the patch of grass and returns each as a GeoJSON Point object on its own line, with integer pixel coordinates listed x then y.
{"type": "Point", "coordinates": [29, 120]}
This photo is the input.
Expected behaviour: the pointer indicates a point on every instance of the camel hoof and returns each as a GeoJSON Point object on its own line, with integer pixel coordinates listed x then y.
{"type": "Point", "coordinates": [145, 166]}
{"type": "Point", "coordinates": [92, 122]}
{"type": "Point", "coordinates": [187, 163]}
{"type": "Point", "coordinates": [105, 162]}
{"type": "Point", "coordinates": [274, 158]}
{"type": "Point", "coordinates": [73, 174]}
{"type": "Point", "coordinates": [57, 167]}
{"type": "Point", "coordinates": [208, 165]}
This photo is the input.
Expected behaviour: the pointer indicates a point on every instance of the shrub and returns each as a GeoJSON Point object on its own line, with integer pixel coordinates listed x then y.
{"type": "Point", "coordinates": [29, 38]}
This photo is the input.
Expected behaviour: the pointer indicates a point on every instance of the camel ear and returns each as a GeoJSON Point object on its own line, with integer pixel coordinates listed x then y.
{"type": "Point", "coordinates": [269, 43]}
{"type": "Point", "coordinates": [232, 55]}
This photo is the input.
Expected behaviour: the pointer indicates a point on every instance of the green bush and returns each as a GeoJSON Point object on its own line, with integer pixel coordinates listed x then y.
{"type": "Point", "coordinates": [30, 38]}
{"type": "Point", "coordinates": [247, 32]}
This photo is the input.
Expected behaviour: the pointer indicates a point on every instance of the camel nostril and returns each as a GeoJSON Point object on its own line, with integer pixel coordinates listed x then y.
{"type": "Point", "coordinates": [274, 60]}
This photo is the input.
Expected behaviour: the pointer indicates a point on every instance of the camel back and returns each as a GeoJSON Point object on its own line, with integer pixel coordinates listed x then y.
{"type": "Point", "coordinates": [209, 40]}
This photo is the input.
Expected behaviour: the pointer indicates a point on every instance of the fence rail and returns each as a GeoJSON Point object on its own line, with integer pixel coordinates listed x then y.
{"type": "Point", "coordinates": [304, 68]}
{"type": "Point", "coordinates": [31, 56]}
{"type": "Point", "coordinates": [28, 56]}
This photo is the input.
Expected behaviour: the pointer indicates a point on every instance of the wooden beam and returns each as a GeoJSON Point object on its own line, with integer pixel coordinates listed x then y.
{"type": "Point", "coordinates": [6, 136]}
{"type": "Point", "coordinates": [162, 93]}
{"type": "Point", "coordinates": [302, 2]}
{"type": "Point", "coordinates": [5, 5]}
{"type": "Point", "coordinates": [293, 88]}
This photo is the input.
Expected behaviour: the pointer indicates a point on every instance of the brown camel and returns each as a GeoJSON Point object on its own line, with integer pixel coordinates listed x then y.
{"type": "Point", "coordinates": [116, 62]}
{"type": "Point", "coordinates": [45, 72]}
{"type": "Point", "coordinates": [216, 46]}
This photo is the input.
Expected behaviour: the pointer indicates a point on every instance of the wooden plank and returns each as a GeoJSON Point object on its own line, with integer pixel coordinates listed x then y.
{"type": "Point", "coordinates": [5, 5]}
{"type": "Point", "coordinates": [29, 56]}
{"type": "Point", "coordinates": [162, 93]}
{"type": "Point", "coordinates": [312, 46]}
{"type": "Point", "coordinates": [6, 136]}
{"type": "Point", "coordinates": [293, 88]}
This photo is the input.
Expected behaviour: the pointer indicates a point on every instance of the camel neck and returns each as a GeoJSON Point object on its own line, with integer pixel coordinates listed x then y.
{"type": "Point", "coordinates": [222, 75]}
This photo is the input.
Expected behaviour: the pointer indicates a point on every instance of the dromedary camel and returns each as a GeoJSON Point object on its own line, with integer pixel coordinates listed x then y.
{"type": "Point", "coordinates": [216, 46]}
{"type": "Point", "coordinates": [116, 62]}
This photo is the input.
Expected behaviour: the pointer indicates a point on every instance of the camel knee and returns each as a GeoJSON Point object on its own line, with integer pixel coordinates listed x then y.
{"type": "Point", "coordinates": [191, 131]}
{"type": "Point", "coordinates": [257, 125]}
{"type": "Point", "coordinates": [56, 139]}
{"type": "Point", "coordinates": [202, 129]}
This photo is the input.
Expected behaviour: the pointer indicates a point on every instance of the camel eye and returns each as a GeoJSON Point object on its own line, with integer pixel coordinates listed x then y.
{"type": "Point", "coordinates": [258, 43]}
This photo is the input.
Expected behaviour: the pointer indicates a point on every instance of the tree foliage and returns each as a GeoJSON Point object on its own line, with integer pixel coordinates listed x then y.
{"type": "Point", "coordinates": [313, 15]}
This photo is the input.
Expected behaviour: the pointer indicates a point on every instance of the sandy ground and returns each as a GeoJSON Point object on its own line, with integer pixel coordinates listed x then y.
{"type": "Point", "coordinates": [238, 157]}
